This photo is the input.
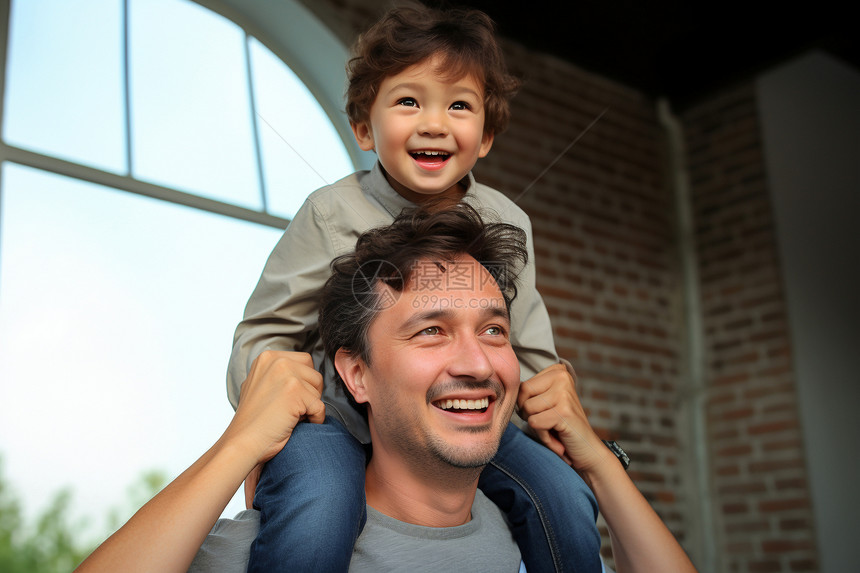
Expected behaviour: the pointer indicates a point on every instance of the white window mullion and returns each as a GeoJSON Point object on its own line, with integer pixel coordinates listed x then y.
{"type": "Point", "coordinates": [252, 102]}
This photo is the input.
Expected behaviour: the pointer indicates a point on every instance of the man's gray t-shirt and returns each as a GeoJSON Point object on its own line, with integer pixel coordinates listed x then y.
{"type": "Point", "coordinates": [485, 543]}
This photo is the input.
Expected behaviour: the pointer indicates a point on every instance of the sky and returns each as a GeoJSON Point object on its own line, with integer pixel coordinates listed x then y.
{"type": "Point", "coordinates": [117, 311]}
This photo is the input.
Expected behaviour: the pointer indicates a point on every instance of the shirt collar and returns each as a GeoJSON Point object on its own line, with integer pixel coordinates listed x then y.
{"type": "Point", "coordinates": [377, 185]}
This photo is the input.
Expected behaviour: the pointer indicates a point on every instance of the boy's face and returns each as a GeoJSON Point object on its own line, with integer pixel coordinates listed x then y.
{"type": "Point", "coordinates": [427, 131]}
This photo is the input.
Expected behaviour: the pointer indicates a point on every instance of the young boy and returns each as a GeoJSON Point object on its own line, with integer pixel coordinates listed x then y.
{"type": "Point", "coordinates": [428, 91]}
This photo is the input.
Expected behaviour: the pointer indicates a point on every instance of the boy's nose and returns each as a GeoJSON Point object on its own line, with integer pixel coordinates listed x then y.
{"type": "Point", "coordinates": [433, 125]}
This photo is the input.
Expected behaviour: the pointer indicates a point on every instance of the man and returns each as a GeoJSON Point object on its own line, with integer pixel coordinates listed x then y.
{"type": "Point", "coordinates": [432, 362]}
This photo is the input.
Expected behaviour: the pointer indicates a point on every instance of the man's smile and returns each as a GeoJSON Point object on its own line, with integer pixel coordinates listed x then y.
{"type": "Point", "coordinates": [468, 399]}
{"type": "Point", "coordinates": [481, 404]}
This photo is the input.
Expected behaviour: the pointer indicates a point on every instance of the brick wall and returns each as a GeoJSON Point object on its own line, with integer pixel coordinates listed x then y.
{"type": "Point", "coordinates": [605, 254]}
{"type": "Point", "coordinates": [763, 509]}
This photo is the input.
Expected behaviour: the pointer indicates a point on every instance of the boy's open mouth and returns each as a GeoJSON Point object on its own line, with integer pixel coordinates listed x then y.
{"type": "Point", "coordinates": [473, 406]}
{"type": "Point", "coordinates": [427, 156]}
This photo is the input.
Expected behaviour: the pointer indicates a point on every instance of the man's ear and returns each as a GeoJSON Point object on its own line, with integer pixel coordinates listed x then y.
{"type": "Point", "coordinates": [353, 371]}
{"type": "Point", "coordinates": [363, 133]}
{"type": "Point", "coordinates": [486, 143]}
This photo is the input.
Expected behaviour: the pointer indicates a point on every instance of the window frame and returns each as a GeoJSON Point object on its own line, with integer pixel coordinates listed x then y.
{"type": "Point", "coordinates": [286, 28]}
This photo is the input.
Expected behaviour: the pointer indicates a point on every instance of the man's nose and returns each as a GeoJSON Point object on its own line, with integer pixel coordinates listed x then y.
{"type": "Point", "coordinates": [471, 359]}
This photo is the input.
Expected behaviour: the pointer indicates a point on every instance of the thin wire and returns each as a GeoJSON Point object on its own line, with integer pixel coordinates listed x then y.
{"type": "Point", "coordinates": [560, 155]}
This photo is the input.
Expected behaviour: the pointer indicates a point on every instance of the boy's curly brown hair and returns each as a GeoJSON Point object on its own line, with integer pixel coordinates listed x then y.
{"type": "Point", "coordinates": [463, 39]}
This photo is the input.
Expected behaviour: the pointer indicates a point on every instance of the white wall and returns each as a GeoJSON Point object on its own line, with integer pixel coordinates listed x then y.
{"type": "Point", "coordinates": [810, 111]}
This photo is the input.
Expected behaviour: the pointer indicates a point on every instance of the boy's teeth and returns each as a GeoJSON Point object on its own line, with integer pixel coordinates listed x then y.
{"type": "Point", "coordinates": [479, 404]}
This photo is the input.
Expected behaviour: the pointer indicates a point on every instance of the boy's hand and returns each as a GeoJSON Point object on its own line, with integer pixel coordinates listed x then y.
{"type": "Point", "coordinates": [282, 389]}
{"type": "Point", "coordinates": [549, 403]}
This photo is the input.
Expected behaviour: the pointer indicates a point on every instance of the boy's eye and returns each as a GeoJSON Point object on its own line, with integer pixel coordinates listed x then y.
{"type": "Point", "coordinates": [408, 102]}
{"type": "Point", "coordinates": [460, 106]}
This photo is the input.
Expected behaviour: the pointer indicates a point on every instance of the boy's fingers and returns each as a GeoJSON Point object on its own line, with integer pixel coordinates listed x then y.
{"type": "Point", "coordinates": [316, 412]}
{"type": "Point", "coordinates": [551, 442]}
{"type": "Point", "coordinates": [302, 357]}
{"type": "Point", "coordinates": [543, 380]}
{"type": "Point", "coordinates": [285, 364]}
{"type": "Point", "coordinates": [532, 387]}
{"type": "Point", "coordinates": [531, 407]}
{"type": "Point", "coordinates": [315, 379]}
{"type": "Point", "coordinates": [306, 372]}
{"type": "Point", "coordinates": [550, 400]}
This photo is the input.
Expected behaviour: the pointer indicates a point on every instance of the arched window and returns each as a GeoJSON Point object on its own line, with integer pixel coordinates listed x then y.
{"type": "Point", "coordinates": [152, 151]}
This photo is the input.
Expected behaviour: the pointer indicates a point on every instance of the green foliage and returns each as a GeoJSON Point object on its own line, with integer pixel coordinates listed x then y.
{"type": "Point", "coordinates": [53, 544]}
{"type": "Point", "coordinates": [50, 545]}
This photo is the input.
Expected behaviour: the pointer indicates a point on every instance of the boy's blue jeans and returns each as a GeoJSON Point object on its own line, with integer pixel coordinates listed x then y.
{"type": "Point", "coordinates": [312, 504]}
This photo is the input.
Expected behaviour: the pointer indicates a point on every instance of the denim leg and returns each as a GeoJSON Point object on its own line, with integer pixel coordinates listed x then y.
{"type": "Point", "coordinates": [311, 502]}
{"type": "Point", "coordinates": [551, 510]}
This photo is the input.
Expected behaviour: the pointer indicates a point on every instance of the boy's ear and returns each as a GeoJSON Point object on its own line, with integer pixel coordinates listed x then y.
{"type": "Point", "coordinates": [363, 135]}
{"type": "Point", "coordinates": [486, 143]}
{"type": "Point", "coordinates": [352, 370]}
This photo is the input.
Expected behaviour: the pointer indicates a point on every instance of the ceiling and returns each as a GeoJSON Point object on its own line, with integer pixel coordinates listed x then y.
{"type": "Point", "coordinates": [680, 50]}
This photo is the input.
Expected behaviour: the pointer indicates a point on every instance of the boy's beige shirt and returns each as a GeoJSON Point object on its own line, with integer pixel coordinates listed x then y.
{"type": "Point", "coordinates": [282, 313]}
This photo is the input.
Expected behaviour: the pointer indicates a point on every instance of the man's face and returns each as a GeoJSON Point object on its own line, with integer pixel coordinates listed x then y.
{"type": "Point", "coordinates": [443, 378]}
{"type": "Point", "coordinates": [427, 130]}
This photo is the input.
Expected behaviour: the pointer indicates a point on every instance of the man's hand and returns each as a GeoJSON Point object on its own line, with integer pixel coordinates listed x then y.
{"type": "Point", "coordinates": [282, 389]}
{"type": "Point", "coordinates": [549, 403]}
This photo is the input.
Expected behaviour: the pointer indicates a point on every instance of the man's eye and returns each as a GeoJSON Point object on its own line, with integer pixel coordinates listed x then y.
{"type": "Point", "coordinates": [408, 102]}
{"type": "Point", "coordinates": [495, 331]}
{"type": "Point", "coordinates": [430, 331]}
{"type": "Point", "coordinates": [460, 106]}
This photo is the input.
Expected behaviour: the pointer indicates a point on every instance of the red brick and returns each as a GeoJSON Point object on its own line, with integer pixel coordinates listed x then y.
{"type": "Point", "coordinates": [779, 505]}
{"type": "Point", "coordinates": [735, 451]}
{"type": "Point", "coordinates": [736, 507]}
{"type": "Point", "coordinates": [767, 566]}
{"type": "Point", "coordinates": [795, 524]}
{"type": "Point", "coordinates": [576, 334]}
{"type": "Point", "coordinates": [731, 379]}
{"type": "Point", "coordinates": [803, 565]}
{"type": "Point", "coordinates": [738, 414]}
{"type": "Point", "coordinates": [761, 467]}
{"type": "Point", "coordinates": [772, 427]}
{"type": "Point", "coordinates": [791, 483]}
{"type": "Point", "coordinates": [786, 546]}
{"type": "Point", "coordinates": [743, 488]}
{"type": "Point", "coordinates": [729, 470]}
{"type": "Point", "coordinates": [786, 444]}
{"type": "Point", "coordinates": [746, 527]}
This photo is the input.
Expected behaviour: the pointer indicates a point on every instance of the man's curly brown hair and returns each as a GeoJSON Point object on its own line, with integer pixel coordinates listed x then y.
{"type": "Point", "coordinates": [352, 298]}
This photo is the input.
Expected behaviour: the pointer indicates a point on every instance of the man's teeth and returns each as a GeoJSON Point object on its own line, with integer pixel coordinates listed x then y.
{"type": "Point", "coordinates": [479, 404]}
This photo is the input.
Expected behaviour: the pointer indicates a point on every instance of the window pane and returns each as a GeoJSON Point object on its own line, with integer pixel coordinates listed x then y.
{"type": "Point", "coordinates": [116, 320]}
{"type": "Point", "coordinates": [191, 114]}
{"type": "Point", "coordinates": [64, 88]}
{"type": "Point", "coordinates": [302, 151]}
